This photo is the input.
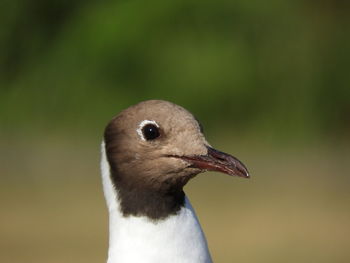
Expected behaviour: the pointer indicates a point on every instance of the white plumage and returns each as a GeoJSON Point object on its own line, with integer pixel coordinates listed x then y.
{"type": "Point", "coordinates": [178, 238]}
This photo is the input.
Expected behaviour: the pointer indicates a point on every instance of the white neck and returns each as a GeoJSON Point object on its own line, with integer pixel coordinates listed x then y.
{"type": "Point", "coordinates": [178, 238]}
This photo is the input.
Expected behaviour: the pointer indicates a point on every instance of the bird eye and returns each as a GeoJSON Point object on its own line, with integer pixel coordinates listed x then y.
{"type": "Point", "coordinates": [148, 130]}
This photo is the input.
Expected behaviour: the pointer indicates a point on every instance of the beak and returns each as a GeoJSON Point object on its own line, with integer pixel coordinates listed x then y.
{"type": "Point", "coordinates": [219, 162]}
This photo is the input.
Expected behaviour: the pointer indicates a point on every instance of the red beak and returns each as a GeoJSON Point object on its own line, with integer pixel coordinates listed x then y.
{"type": "Point", "coordinates": [219, 162]}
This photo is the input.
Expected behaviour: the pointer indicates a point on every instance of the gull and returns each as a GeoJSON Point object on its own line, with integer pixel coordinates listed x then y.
{"type": "Point", "coordinates": [149, 152]}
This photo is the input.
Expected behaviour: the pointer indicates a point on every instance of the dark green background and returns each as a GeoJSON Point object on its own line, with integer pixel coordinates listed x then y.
{"type": "Point", "coordinates": [253, 65]}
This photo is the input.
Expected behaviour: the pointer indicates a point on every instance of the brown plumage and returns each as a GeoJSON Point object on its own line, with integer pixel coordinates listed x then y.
{"type": "Point", "coordinates": [149, 175]}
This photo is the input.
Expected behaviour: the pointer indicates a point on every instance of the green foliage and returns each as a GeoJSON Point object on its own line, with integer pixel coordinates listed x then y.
{"type": "Point", "coordinates": [275, 66]}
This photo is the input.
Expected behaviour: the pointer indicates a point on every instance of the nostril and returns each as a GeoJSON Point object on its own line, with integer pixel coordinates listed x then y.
{"type": "Point", "coordinates": [220, 158]}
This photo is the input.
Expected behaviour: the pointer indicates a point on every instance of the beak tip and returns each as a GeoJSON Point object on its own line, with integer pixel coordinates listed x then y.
{"type": "Point", "coordinates": [244, 175]}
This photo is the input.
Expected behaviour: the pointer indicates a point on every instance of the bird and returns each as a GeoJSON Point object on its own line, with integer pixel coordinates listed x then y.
{"type": "Point", "coordinates": [149, 152]}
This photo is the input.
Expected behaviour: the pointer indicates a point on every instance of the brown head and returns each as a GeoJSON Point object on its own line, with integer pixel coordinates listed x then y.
{"type": "Point", "coordinates": [153, 149]}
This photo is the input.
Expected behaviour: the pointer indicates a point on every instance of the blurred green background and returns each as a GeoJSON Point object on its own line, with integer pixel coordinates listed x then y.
{"type": "Point", "coordinates": [269, 80]}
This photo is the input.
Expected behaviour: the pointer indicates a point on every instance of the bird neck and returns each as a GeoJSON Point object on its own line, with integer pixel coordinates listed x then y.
{"type": "Point", "coordinates": [140, 199]}
{"type": "Point", "coordinates": [139, 238]}
{"type": "Point", "coordinates": [177, 238]}
{"type": "Point", "coordinates": [156, 205]}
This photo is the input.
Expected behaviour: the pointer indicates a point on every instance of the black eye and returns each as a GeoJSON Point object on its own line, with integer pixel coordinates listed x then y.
{"type": "Point", "coordinates": [150, 132]}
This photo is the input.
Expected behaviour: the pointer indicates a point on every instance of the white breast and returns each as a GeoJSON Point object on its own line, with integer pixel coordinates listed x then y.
{"type": "Point", "coordinates": [178, 238]}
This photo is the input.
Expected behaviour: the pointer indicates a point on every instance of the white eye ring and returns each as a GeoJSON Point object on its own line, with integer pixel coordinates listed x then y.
{"type": "Point", "coordinates": [143, 124]}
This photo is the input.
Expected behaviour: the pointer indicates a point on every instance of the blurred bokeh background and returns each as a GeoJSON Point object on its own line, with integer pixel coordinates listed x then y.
{"type": "Point", "coordinates": [269, 80]}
